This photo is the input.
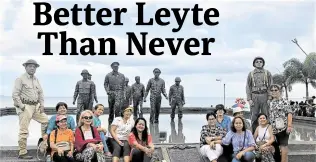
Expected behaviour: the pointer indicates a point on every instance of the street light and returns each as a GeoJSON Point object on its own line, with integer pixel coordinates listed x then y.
{"type": "Point", "coordinates": [220, 80]}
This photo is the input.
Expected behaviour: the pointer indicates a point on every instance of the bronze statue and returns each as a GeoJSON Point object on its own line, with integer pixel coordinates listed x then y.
{"type": "Point", "coordinates": [176, 98]}
{"type": "Point", "coordinates": [156, 86]}
{"type": "Point", "coordinates": [257, 89]}
{"type": "Point", "coordinates": [85, 90]}
{"type": "Point", "coordinates": [114, 84]}
{"type": "Point", "coordinates": [138, 93]}
{"type": "Point", "coordinates": [95, 94]}
{"type": "Point", "coordinates": [128, 94]}
{"type": "Point", "coordinates": [28, 100]}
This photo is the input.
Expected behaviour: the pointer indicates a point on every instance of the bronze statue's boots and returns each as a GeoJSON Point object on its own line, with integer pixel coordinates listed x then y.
{"type": "Point", "coordinates": [25, 156]}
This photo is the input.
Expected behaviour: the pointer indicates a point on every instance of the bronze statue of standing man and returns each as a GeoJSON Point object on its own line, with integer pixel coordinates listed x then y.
{"type": "Point", "coordinates": [86, 91]}
{"type": "Point", "coordinates": [176, 98]}
{"type": "Point", "coordinates": [128, 94]}
{"type": "Point", "coordinates": [28, 100]}
{"type": "Point", "coordinates": [138, 93]}
{"type": "Point", "coordinates": [257, 89]}
{"type": "Point", "coordinates": [95, 93]}
{"type": "Point", "coordinates": [114, 84]}
{"type": "Point", "coordinates": [156, 86]}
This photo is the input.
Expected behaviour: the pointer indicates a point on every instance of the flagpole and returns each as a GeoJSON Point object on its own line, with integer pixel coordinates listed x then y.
{"type": "Point", "coordinates": [220, 80]}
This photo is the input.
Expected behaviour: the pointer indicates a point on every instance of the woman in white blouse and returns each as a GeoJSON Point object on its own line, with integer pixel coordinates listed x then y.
{"type": "Point", "coordinates": [264, 139]}
{"type": "Point", "coordinates": [120, 129]}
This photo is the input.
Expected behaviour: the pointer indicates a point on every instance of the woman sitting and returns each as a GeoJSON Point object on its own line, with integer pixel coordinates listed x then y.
{"type": "Point", "coordinates": [62, 141]}
{"type": "Point", "coordinates": [88, 143]}
{"type": "Point", "coordinates": [223, 120]}
{"type": "Point", "coordinates": [210, 140]}
{"type": "Point", "coordinates": [120, 129]}
{"type": "Point", "coordinates": [242, 141]}
{"type": "Point", "coordinates": [141, 142]}
{"type": "Point", "coordinates": [61, 109]}
{"type": "Point", "coordinates": [264, 139]}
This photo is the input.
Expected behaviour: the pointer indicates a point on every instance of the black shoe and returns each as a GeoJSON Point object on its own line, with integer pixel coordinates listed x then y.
{"type": "Point", "coordinates": [25, 156]}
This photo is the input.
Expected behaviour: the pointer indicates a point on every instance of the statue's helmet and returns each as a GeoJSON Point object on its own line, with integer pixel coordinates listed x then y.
{"type": "Point", "coordinates": [258, 58]}
{"type": "Point", "coordinates": [84, 71]}
{"type": "Point", "coordinates": [177, 79]}
{"type": "Point", "coordinates": [30, 61]}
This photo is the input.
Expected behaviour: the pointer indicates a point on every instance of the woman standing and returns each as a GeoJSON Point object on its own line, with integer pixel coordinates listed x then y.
{"type": "Point", "coordinates": [141, 142]}
{"type": "Point", "coordinates": [281, 120]}
{"type": "Point", "coordinates": [242, 141]}
{"type": "Point", "coordinates": [264, 139]}
{"type": "Point", "coordinates": [120, 129]}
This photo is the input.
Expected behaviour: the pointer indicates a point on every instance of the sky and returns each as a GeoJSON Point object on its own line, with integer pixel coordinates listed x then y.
{"type": "Point", "coordinates": [246, 29]}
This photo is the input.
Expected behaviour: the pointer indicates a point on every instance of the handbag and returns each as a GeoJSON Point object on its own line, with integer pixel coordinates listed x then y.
{"type": "Point", "coordinates": [63, 145]}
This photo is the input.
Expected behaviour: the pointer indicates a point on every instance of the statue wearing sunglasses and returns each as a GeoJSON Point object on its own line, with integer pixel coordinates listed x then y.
{"type": "Point", "coordinates": [257, 90]}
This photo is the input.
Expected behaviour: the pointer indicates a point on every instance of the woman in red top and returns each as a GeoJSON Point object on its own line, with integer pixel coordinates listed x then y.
{"type": "Point", "coordinates": [141, 142]}
{"type": "Point", "coordinates": [88, 143]}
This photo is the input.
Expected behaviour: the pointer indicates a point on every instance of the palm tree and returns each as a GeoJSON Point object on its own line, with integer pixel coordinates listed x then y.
{"type": "Point", "coordinates": [282, 80]}
{"type": "Point", "coordinates": [301, 72]}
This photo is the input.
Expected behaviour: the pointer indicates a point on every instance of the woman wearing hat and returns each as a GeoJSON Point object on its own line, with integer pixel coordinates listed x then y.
{"type": "Point", "coordinates": [222, 120]}
{"type": "Point", "coordinates": [120, 129]}
{"type": "Point", "coordinates": [62, 141]}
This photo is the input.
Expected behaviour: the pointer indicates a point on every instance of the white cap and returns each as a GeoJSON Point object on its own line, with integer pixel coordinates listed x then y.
{"type": "Point", "coordinates": [237, 109]}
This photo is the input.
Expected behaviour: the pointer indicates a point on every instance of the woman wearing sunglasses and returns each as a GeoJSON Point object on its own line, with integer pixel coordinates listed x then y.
{"type": "Point", "coordinates": [281, 121]}
{"type": "Point", "coordinates": [88, 144]}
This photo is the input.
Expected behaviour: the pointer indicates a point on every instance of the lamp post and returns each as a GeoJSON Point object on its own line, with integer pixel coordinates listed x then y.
{"type": "Point", "coordinates": [220, 80]}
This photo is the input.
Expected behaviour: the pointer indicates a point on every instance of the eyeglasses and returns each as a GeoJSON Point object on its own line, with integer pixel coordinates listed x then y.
{"type": "Point", "coordinates": [259, 61]}
{"type": "Point", "coordinates": [87, 117]}
{"type": "Point", "coordinates": [274, 90]}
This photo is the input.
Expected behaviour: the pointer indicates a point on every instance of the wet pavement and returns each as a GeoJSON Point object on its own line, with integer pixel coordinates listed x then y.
{"type": "Point", "coordinates": [185, 131]}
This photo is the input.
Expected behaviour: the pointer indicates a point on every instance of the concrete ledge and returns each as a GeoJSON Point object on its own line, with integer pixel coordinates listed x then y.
{"type": "Point", "coordinates": [164, 110]}
{"type": "Point", "coordinates": [178, 152]}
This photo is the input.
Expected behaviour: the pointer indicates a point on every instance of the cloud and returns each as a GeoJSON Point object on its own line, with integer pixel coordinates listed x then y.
{"type": "Point", "coordinates": [231, 57]}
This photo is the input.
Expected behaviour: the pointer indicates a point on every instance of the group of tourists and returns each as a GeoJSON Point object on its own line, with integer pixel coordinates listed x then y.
{"type": "Point", "coordinates": [305, 108]}
{"type": "Point", "coordinates": [87, 141]}
{"type": "Point", "coordinates": [238, 141]}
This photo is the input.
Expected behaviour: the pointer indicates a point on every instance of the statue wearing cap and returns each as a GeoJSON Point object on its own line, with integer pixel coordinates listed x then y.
{"type": "Point", "coordinates": [257, 89]}
{"type": "Point", "coordinates": [176, 98]}
{"type": "Point", "coordinates": [85, 91]}
{"type": "Point", "coordinates": [156, 86]}
{"type": "Point", "coordinates": [138, 93]}
{"type": "Point", "coordinates": [28, 98]}
{"type": "Point", "coordinates": [128, 94]}
{"type": "Point", "coordinates": [114, 85]}
{"type": "Point", "coordinates": [95, 94]}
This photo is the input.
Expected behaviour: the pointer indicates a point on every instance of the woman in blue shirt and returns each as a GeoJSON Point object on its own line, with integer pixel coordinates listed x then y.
{"type": "Point", "coordinates": [222, 120]}
{"type": "Point", "coordinates": [242, 141]}
{"type": "Point", "coordinates": [61, 109]}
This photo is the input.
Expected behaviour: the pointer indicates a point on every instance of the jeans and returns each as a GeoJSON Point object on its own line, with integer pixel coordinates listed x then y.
{"type": "Point", "coordinates": [104, 138]}
{"type": "Point", "coordinates": [248, 157]}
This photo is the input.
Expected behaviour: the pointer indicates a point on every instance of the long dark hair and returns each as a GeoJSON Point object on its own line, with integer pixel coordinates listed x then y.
{"type": "Point", "coordinates": [144, 133]}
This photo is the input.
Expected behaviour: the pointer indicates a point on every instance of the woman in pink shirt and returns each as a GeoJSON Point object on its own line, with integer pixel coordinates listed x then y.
{"type": "Point", "coordinates": [141, 142]}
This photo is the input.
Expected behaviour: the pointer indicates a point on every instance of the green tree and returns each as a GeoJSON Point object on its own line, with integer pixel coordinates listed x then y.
{"type": "Point", "coordinates": [282, 80]}
{"type": "Point", "coordinates": [301, 72]}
